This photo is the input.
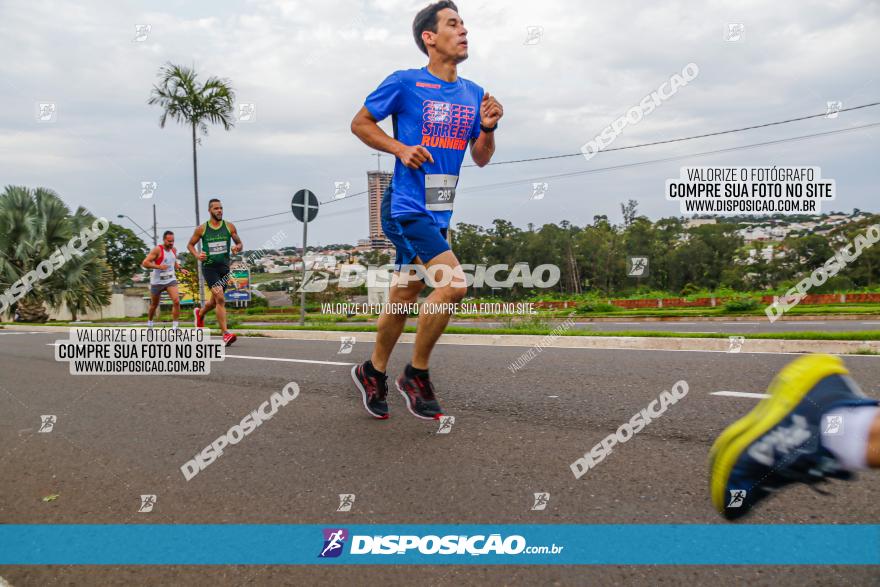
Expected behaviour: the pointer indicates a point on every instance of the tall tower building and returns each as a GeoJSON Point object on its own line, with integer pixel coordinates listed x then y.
{"type": "Point", "coordinates": [377, 181]}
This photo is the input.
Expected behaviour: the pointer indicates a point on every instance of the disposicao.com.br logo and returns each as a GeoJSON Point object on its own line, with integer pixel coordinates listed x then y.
{"type": "Point", "coordinates": [430, 544]}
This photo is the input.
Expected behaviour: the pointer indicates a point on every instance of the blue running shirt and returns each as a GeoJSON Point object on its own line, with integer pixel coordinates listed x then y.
{"type": "Point", "coordinates": [442, 117]}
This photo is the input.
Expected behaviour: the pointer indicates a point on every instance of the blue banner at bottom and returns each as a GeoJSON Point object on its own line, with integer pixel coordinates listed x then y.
{"type": "Point", "coordinates": [513, 544]}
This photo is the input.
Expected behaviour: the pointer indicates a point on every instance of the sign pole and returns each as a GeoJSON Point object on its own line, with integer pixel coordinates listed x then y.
{"type": "Point", "coordinates": [302, 204]}
{"type": "Point", "coordinates": [302, 294]}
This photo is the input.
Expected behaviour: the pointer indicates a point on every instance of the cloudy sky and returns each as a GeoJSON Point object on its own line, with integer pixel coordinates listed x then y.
{"type": "Point", "coordinates": [307, 66]}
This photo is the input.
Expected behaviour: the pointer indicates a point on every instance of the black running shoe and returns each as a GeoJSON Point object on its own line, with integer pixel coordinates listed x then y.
{"type": "Point", "coordinates": [418, 392]}
{"type": "Point", "coordinates": [374, 390]}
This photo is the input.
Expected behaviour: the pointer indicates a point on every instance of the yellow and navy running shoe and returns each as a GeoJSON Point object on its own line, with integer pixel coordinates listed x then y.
{"type": "Point", "coordinates": [779, 442]}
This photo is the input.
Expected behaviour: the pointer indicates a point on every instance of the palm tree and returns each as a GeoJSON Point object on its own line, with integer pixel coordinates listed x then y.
{"type": "Point", "coordinates": [188, 102]}
{"type": "Point", "coordinates": [33, 225]}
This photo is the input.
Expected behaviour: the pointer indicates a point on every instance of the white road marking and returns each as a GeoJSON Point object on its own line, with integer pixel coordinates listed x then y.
{"type": "Point", "coordinates": [622, 323]}
{"type": "Point", "coordinates": [740, 394]}
{"type": "Point", "coordinates": [288, 360]}
{"type": "Point", "coordinates": [739, 323]}
{"type": "Point", "coordinates": [793, 322]}
{"type": "Point", "coordinates": [726, 352]}
{"type": "Point", "coordinates": [870, 322]}
{"type": "Point", "coordinates": [269, 358]}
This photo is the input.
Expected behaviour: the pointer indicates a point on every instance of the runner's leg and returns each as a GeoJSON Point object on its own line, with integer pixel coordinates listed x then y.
{"type": "Point", "coordinates": [220, 303]}
{"type": "Point", "coordinates": [175, 301]}
{"type": "Point", "coordinates": [154, 304]}
{"type": "Point", "coordinates": [209, 305]}
{"type": "Point", "coordinates": [446, 271]}
{"type": "Point", "coordinates": [390, 325]}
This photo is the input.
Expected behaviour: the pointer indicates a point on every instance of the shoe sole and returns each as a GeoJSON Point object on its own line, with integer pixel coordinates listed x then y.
{"type": "Point", "coordinates": [364, 395]}
{"type": "Point", "coordinates": [409, 406]}
{"type": "Point", "coordinates": [787, 390]}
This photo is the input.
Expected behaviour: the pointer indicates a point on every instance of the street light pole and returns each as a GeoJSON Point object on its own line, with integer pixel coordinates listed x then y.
{"type": "Point", "coordinates": [155, 237]}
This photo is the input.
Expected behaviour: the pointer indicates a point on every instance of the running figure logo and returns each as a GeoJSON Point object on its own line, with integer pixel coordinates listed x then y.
{"type": "Point", "coordinates": [141, 32]}
{"type": "Point", "coordinates": [541, 501]}
{"type": "Point", "coordinates": [334, 541]}
{"type": "Point", "coordinates": [534, 34]}
{"type": "Point", "coordinates": [735, 31]}
{"type": "Point", "coordinates": [446, 423]}
{"type": "Point", "coordinates": [539, 190]}
{"type": "Point", "coordinates": [833, 108]}
{"type": "Point", "coordinates": [340, 189]}
{"type": "Point", "coordinates": [247, 112]}
{"type": "Point", "coordinates": [314, 281]}
{"type": "Point", "coordinates": [47, 423]}
{"type": "Point", "coordinates": [47, 112]}
{"type": "Point", "coordinates": [637, 267]}
{"type": "Point", "coordinates": [737, 497]}
{"type": "Point", "coordinates": [346, 500]}
{"type": "Point", "coordinates": [736, 344]}
{"type": "Point", "coordinates": [346, 345]}
{"type": "Point", "coordinates": [833, 424]}
{"type": "Point", "coordinates": [147, 503]}
{"type": "Point", "coordinates": [148, 188]}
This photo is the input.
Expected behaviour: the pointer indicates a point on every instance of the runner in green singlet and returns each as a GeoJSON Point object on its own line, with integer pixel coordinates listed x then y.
{"type": "Point", "coordinates": [215, 236]}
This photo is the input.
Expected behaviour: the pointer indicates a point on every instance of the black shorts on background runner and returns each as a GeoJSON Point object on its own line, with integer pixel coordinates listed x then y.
{"type": "Point", "coordinates": [216, 273]}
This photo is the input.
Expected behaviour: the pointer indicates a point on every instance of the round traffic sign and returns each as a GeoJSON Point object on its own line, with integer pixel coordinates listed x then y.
{"type": "Point", "coordinates": [304, 200]}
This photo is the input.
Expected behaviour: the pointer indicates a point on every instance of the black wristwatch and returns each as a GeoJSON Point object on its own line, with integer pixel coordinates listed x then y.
{"type": "Point", "coordinates": [487, 129]}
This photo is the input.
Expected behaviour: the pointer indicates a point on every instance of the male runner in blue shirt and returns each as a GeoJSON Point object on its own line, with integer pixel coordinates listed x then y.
{"type": "Point", "coordinates": [436, 115]}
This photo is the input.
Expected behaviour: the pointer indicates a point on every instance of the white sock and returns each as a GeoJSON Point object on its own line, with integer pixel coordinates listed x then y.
{"type": "Point", "coordinates": [174, 325]}
{"type": "Point", "coordinates": [845, 433]}
{"type": "Point", "coordinates": [149, 323]}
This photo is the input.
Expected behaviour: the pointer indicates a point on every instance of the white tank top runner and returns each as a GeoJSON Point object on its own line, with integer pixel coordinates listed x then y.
{"type": "Point", "coordinates": [163, 276]}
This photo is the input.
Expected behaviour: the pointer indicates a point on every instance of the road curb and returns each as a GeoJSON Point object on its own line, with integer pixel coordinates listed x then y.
{"type": "Point", "coordinates": [645, 343]}
{"type": "Point", "coordinates": [721, 345]}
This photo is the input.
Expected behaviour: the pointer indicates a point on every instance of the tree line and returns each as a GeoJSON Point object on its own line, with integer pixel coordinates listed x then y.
{"type": "Point", "coordinates": [682, 260]}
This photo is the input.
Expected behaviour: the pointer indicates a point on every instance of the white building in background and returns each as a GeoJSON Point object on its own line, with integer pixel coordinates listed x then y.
{"type": "Point", "coordinates": [281, 268]}
{"type": "Point", "coordinates": [694, 222]}
{"type": "Point", "coordinates": [766, 254]}
{"type": "Point", "coordinates": [754, 233]}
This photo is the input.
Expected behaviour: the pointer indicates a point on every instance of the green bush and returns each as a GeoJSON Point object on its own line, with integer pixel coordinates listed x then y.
{"type": "Point", "coordinates": [257, 302]}
{"type": "Point", "coordinates": [689, 289]}
{"type": "Point", "coordinates": [741, 305]}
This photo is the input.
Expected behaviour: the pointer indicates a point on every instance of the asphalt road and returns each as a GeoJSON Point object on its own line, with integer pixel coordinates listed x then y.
{"type": "Point", "coordinates": [117, 437]}
{"type": "Point", "coordinates": [733, 327]}
{"type": "Point", "coordinates": [750, 327]}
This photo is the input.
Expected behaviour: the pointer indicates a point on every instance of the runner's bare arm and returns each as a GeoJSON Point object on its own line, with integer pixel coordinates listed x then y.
{"type": "Point", "coordinates": [483, 147]}
{"type": "Point", "coordinates": [237, 247]}
{"type": "Point", "coordinates": [150, 261]}
{"type": "Point", "coordinates": [191, 245]}
{"type": "Point", "coordinates": [366, 128]}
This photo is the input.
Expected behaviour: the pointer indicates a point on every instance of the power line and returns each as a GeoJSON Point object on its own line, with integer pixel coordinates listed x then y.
{"type": "Point", "coordinates": [640, 145]}
{"type": "Point", "coordinates": [491, 186]}
{"type": "Point", "coordinates": [672, 158]}
{"type": "Point", "coordinates": [678, 140]}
